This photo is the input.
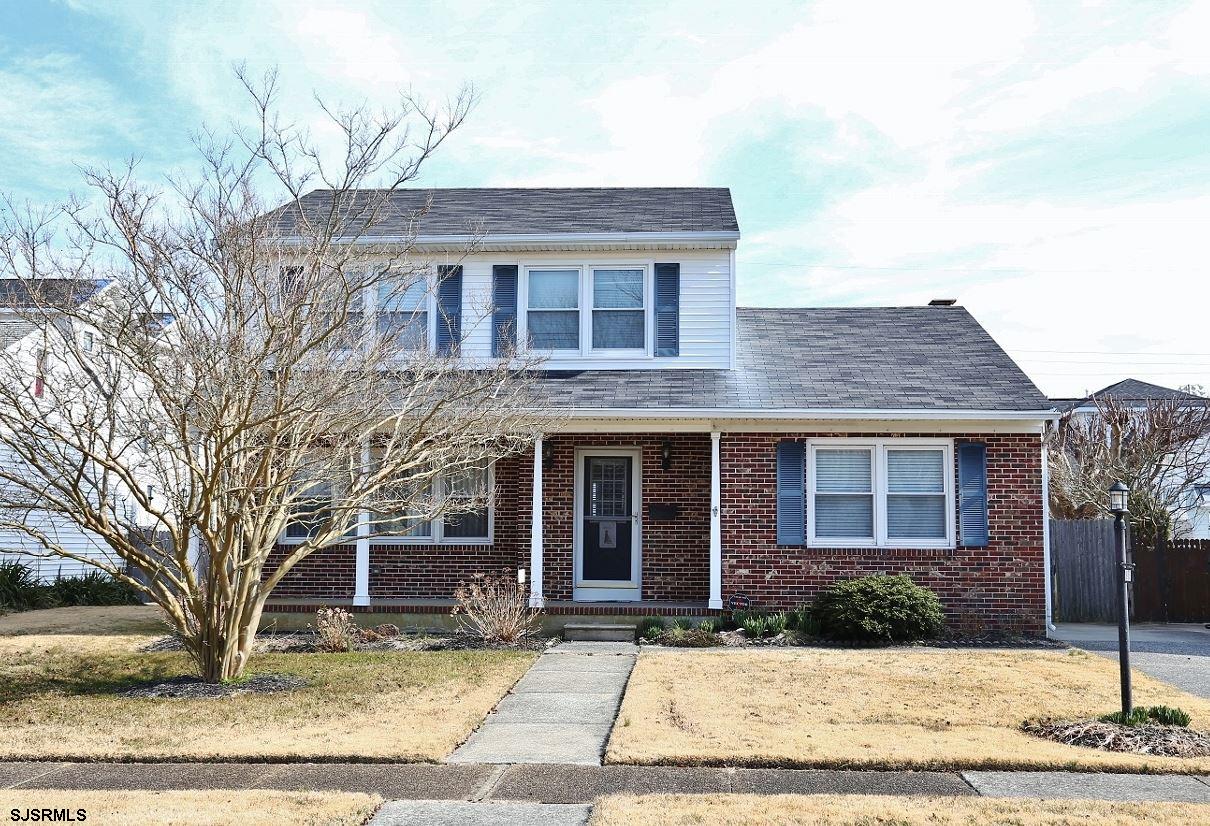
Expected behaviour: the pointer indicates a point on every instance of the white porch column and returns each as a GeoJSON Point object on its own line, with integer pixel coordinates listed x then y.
{"type": "Point", "coordinates": [361, 584]}
{"type": "Point", "coordinates": [536, 599]}
{"type": "Point", "coordinates": [716, 524]}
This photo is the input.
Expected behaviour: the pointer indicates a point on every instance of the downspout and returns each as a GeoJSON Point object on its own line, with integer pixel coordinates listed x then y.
{"type": "Point", "coordinates": [1050, 625]}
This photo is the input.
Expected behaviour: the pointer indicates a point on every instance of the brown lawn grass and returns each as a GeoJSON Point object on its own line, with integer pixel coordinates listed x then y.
{"type": "Point", "coordinates": [907, 708]}
{"type": "Point", "coordinates": [57, 700]}
{"type": "Point", "coordinates": [221, 808]}
{"type": "Point", "coordinates": [880, 810]}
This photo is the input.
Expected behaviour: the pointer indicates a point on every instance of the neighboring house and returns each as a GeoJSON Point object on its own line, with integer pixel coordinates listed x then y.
{"type": "Point", "coordinates": [708, 456]}
{"type": "Point", "coordinates": [22, 337]}
{"type": "Point", "coordinates": [1195, 523]}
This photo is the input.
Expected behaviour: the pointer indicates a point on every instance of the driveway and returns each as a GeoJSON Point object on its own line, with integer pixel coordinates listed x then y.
{"type": "Point", "coordinates": [1178, 653]}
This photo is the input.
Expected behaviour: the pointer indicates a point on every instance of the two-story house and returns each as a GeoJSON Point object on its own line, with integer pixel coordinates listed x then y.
{"type": "Point", "coordinates": [707, 454]}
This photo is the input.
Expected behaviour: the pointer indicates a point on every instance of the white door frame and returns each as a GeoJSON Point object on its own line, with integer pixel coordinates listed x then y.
{"type": "Point", "coordinates": [591, 591]}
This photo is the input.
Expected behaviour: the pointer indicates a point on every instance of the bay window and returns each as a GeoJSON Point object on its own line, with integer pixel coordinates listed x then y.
{"type": "Point", "coordinates": [880, 492]}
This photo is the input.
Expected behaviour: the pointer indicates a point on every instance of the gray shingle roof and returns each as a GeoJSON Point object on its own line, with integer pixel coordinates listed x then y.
{"type": "Point", "coordinates": [1131, 390]}
{"type": "Point", "coordinates": [918, 358]}
{"type": "Point", "coordinates": [16, 293]}
{"type": "Point", "coordinates": [533, 211]}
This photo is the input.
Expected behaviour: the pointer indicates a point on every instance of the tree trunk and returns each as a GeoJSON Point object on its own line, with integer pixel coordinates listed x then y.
{"type": "Point", "coordinates": [222, 644]}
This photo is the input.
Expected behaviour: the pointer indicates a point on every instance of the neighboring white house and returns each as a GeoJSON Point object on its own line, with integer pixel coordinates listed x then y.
{"type": "Point", "coordinates": [1195, 524]}
{"type": "Point", "coordinates": [19, 337]}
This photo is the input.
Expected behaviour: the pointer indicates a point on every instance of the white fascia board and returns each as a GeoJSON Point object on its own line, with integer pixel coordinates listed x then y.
{"type": "Point", "coordinates": [834, 414]}
{"type": "Point", "coordinates": [490, 239]}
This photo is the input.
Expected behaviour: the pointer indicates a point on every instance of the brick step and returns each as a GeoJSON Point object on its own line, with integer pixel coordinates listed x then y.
{"type": "Point", "coordinates": [598, 632]}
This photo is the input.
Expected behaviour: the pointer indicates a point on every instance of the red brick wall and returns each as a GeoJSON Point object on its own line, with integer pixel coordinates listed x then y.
{"type": "Point", "coordinates": [998, 586]}
{"type": "Point", "coordinates": [327, 574]}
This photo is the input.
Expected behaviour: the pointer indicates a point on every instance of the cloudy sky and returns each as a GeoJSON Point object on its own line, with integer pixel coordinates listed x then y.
{"type": "Point", "coordinates": [1047, 164]}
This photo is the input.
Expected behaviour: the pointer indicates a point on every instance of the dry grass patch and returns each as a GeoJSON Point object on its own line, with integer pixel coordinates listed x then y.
{"type": "Point", "coordinates": [115, 627]}
{"type": "Point", "coordinates": [57, 699]}
{"type": "Point", "coordinates": [221, 808]}
{"type": "Point", "coordinates": [908, 708]}
{"type": "Point", "coordinates": [871, 810]}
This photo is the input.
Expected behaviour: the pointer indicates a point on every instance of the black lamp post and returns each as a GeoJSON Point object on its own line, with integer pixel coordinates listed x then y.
{"type": "Point", "coordinates": [1119, 504]}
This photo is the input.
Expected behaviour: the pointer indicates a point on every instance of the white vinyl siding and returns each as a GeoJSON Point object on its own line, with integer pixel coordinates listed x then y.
{"type": "Point", "coordinates": [896, 493]}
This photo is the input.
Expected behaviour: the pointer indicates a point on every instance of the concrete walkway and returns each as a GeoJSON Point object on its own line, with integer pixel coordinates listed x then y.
{"type": "Point", "coordinates": [1178, 653]}
{"type": "Point", "coordinates": [561, 711]}
{"type": "Point", "coordinates": [576, 785]}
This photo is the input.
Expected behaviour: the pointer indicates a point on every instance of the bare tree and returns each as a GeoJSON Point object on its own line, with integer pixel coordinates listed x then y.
{"type": "Point", "coordinates": [1160, 448]}
{"type": "Point", "coordinates": [231, 371]}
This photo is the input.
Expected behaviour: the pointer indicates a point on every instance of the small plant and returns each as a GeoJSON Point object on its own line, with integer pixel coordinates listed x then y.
{"type": "Point", "coordinates": [336, 630]}
{"type": "Point", "coordinates": [651, 628]}
{"type": "Point", "coordinates": [879, 609]}
{"type": "Point", "coordinates": [92, 588]}
{"type": "Point", "coordinates": [802, 621]}
{"type": "Point", "coordinates": [1144, 715]}
{"type": "Point", "coordinates": [709, 626]}
{"type": "Point", "coordinates": [776, 623]}
{"type": "Point", "coordinates": [683, 623]}
{"type": "Point", "coordinates": [754, 626]}
{"type": "Point", "coordinates": [495, 609]}
{"type": "Point", "coordinates": [20, 589]}
{"type": "Point", "coordinates": [689, 638]}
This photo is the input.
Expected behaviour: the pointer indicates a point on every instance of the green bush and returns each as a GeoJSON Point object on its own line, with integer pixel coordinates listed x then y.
{"type": "Point", "coordinates": [650, 628]}
{"type": "Point", "coordinates": [879, 609]}
{"type": "Point", "coordinates": [1143, 715]}
{"type": "Point", "coordinates": [802, 621]}
{"type": "Point", "coordinates": [20, 589]}
{"type": "Point", "coordinates": [683, 623]}
{"type": "Point", "coordinates": [709, 626]}
{"type": "Point", "coordinates": [92, 588]}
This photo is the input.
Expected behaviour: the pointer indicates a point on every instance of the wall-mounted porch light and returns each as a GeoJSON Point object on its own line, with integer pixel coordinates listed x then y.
{"type": "Point", "coordinates": [548, 454]}
{"type": "Point", "coordinates": [666, 454]}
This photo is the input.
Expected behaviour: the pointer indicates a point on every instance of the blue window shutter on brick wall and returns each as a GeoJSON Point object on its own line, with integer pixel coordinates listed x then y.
{"type": "Point", "coordinates": [449, 308]}
{"type": "Point", "coordinates": [972, 494]}
{"type": "Point", "coordinates": [667, 309]}
{"type": "Point", "coordinates": [791, 497]}
{"type": "Point", "coordinates": [504, 309]}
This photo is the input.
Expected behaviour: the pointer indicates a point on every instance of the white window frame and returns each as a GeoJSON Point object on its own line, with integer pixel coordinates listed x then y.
{"type": "Point", "coordinates": [879, 448]}
{"type": "Point", "coordinates": [437, 532]}
{"type": "Point", "coordinates": [587, 272]}
{"type": "Point", "coordinates": [370, 303]}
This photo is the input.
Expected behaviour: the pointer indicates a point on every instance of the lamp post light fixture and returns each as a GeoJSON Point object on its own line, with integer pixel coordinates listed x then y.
{"type": "Point", "coordinates": [1119, 505]}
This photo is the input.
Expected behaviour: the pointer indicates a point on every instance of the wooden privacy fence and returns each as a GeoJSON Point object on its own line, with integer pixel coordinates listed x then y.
{"type": "Point", "coordinates": [1084, 570]}
{"type": "Point", "coordinates": [1172, 581]}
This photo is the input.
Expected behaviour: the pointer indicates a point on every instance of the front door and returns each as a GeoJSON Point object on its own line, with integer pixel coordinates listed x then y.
{"type": "Point", "coordinates": [608, 538]}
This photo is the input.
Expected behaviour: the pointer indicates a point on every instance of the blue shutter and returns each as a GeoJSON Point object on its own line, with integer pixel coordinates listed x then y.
{"type": "Point", "coordinates": [504, 309]}
{"type": "Point", "coordinates": [667, 309]}
{"type": "Point", "coordinates": [972, 494]}
{"type": "Point", "coordinates": [791, 496]}
{"type": "Point", "coordinates": [449, 309]}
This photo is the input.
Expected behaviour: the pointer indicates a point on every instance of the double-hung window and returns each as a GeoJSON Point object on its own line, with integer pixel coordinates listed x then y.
{"type": "Point", "coordinates": [880, 493]}
{"type": "Point", "coordinates": [403, 312]}
{"type": "Point", "coordinates": [553, 315]}
{"type": "Point", "coordinates": [466, 519]}
{"type": "Point", "coordinates": [619, 314]}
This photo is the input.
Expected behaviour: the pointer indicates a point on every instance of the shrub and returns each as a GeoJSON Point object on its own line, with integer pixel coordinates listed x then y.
{"type": "Point", "coordinates": [650, 628]}
{"type": "Point", "coordinates": [20, 589]}
{"type": "Point", "coordinates": [689, 638]}
{"type": "Point", "coordinates": [880, 609]}
{"type": "Point", "coordinates": [776, 623]}
{"type": "Point", "coordinates": [753, 625]}
{"type": "Point", "coordinates": [92, 588]}
{"type": "Point", "coordinates": [336, 629]}
{"type": "Point", "coordinates": [1144, 715]}
{"type": "Point", "coordinates": [495, 609]}
{"type": "Point", "coordinates": [802, 621]}
{"type": "Point", "coordinates": [709, 626]}
{"type": "Point", "coordinates": [683, 623]}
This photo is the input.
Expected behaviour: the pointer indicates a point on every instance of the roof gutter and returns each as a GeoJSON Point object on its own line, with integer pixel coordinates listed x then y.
{"type": "Point", "coordinates": [810, 413]}
{"type": "Point", "coordinates": [530, 238]}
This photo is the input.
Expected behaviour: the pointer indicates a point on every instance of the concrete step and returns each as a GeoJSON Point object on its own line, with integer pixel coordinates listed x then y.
{"type": "Point", "coordinates": [598, 632]}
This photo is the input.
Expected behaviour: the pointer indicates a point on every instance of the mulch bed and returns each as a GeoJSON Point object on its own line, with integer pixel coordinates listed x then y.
{"type": "Point", "coordinates": [307, 642]}
{"type": "Point", "coordinates": [1162, 741]}
{"type": "Point", "coordinates": [193, 688]}
{"type": "Point", "coordinates": [991, 639]}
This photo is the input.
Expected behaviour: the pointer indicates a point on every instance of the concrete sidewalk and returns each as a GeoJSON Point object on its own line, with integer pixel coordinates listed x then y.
{"type": "Point", "coordinates": [572, 785]}
{"type": "Point", "coordinates": [561, 711]}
